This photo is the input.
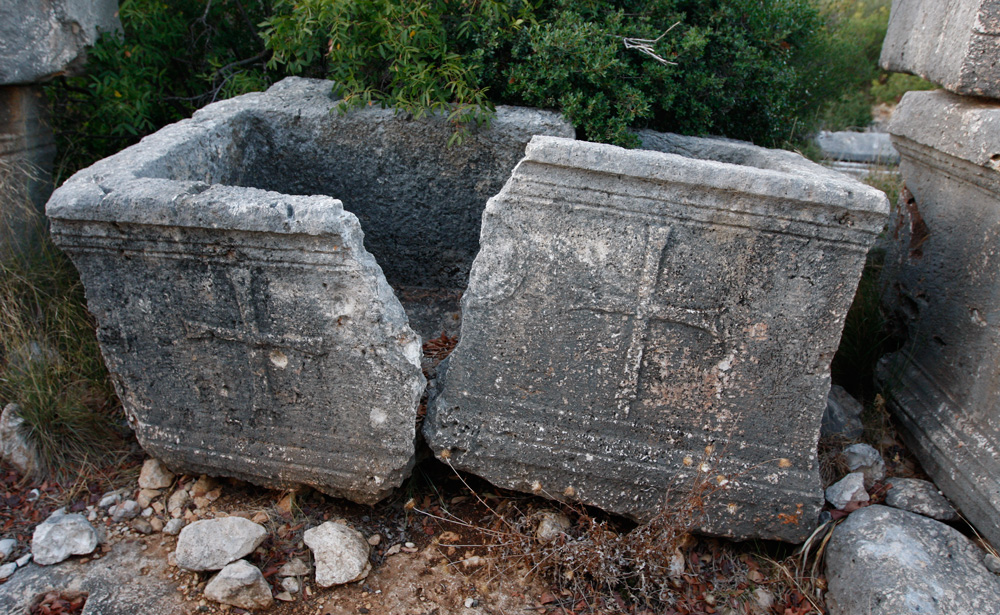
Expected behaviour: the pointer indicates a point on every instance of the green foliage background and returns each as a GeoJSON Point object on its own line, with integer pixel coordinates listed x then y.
{"type": "Point", "coordinates": [767, 71]}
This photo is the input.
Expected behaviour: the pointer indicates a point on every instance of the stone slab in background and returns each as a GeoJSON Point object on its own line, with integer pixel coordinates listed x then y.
{"type": "Point", "coordinates": [629, 309]}
{"type": "Point", "coordinates": [870, 147]}
{"type": "Point", "coordinates": [950, 42]}
{"type": "Point", "coordinates": [941, 281]}
{"type": "Point", "coordinates": [883, 561]}
{"type": "Point", "coordinates": [40, 39]}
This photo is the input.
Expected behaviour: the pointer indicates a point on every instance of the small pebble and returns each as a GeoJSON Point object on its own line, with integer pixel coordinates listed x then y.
{"type": "Point", "coordinates": [7, 569]}
{"type": "Point", "coordinates": [23, 560]}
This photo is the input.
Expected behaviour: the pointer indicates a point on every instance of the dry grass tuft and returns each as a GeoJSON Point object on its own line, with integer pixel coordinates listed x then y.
{"type": "Point", "coordinates": [50, 363]}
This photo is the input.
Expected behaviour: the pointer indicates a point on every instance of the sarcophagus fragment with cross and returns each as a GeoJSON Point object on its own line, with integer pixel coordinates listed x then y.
{"type": "Point", "coordinates": [643, 327]}
{"type": "Point", "coordinates": [249, 333]}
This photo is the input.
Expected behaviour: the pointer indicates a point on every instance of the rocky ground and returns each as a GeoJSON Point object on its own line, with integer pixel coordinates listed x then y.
{"type": "Point", "coordinates": [135, 538]}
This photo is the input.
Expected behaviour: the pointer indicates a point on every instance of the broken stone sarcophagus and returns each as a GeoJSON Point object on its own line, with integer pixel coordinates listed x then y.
{"type": "Point", "coordinates": [638, 322]}
{"type": "Point", "coordinates": [942, 282]}
{"type": "Point", "coordinates": [248, 330]}
{"type": "Point", "coordinates": [950, 42]}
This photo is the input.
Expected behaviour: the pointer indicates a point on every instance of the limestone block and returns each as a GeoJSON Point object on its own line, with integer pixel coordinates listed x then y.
{"type": "Point", "coordinates": [637, 317]}
{"type": "Point", "coordinates": [941, 281]}
{"type": "Point", "coordinates": [950, 42]}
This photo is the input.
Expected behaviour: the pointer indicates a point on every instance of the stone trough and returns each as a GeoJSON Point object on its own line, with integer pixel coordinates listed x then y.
{"type": "Point", "coordinates": [631, 316]}
{"type": "Point", "coordinates": [246, 324]}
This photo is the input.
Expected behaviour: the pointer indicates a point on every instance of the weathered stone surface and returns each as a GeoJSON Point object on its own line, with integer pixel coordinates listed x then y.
{"type": "Point", "coordinates": [14, 448]}
{"type": "Point", "coordinates": [40, 39]}
{"type": "Point", "coordinates": [883, 561]}
{"type": "Point", "coordinates": [629, 309]}
{"type": "Point", "coordinates": [870, 147]}
{"type": "Point", "coordinates": [240, 584]}
{"type": "Point", "coordinates": [340, 553]}
{"type": "Point", "coordinates": [147, 587]}
{"type": "Point", "coordinates": [842, 416]}
{"type": "Point", "coordinates": [61, 536]}
{"type": "Point", "coordinates": [249, 332]}
{"type": "Point", "coordinates": [211, 544]}
{"type": "Point", "coordinates": [950, 42]}
{"type": "Point", "coordinates": [920, 497]}
{"type": "Point", "coordinates": [155, 475]}
{"type": "Point", "coordinates": [940, 282]}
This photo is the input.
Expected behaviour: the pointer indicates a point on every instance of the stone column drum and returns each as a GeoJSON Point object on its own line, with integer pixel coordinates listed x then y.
{"type": "Point", "coordinates": [638, 321]}
{"type": "Point", "coordinates": [942, 281]}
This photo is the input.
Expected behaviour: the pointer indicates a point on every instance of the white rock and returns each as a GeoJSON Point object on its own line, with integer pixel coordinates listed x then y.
{"type": "Point", "coordinates": [849, 489]}
{"type": "Point", "coordinates": [7, 569]}
{"type": "Point", "coordinates": [174, 527]}
{"type": "Point", "coordinates": [211, 544]}
{"type": "Point", "coordinates": [864, 458]}
{"type": "Point", "coordinates": [23, 560]}
{"type": "Point", "coordinates": [340, 553]}
{"type": "Point", "coordinates": [294, 567]}
{"type": "Point", "coordinates": [178, 500]}
{"type": "Point", "coordinates": [7, 546]}
{"type": "Point", "coordinates": [240, 584]}
{"type": "Point", "coordinates": [109, 499]}
{"type": "Point", "coordinates": [61, 536]}
{"type": "Point", "coordinates": [290, 585]}
{"type": "Point", "coordinates": [13, 447]}
{"type": "Point", "coordinates": [155, 475]}
{"type": "Point", "coordinates": [129, 509]}
{"type": "Point", "coordinates": [551, 525]}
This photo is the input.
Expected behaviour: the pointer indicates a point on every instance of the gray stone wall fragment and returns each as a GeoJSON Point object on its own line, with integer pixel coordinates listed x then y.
{"type": "Point", "coordinates": [941, 282]}
{"type": "Point", "coordinates": [950, 42]}
{"type": "Point", "coordinates": [634, 316]}
{"type": "Point", "coordinates": [40, 39]}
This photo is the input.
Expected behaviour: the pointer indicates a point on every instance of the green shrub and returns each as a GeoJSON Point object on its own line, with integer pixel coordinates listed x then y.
{"type": "Point", "coordinates": [727, 65]}
{"type": "Point", "coordinates": [171, 58]}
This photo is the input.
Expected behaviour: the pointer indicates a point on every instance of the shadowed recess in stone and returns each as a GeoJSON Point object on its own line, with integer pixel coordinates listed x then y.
{"type": "Point", "coordinates": [631, 310]}
{"type": "Point", "coordinates": [248, 330]}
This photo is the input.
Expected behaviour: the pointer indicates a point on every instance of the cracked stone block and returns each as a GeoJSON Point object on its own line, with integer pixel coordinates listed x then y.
{"type": "Point", "coordinates": [950, 42]}
{"type": "Point", "coordinates": [942, 286]}
{"type": "Point", "coordinates": [639, 320]}
{"type": "Point", "coordinates": [247, 326]}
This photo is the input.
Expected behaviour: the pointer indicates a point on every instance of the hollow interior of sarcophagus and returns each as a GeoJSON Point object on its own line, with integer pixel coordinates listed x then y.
{"type": "Point", "coordinates": [419, 201]}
